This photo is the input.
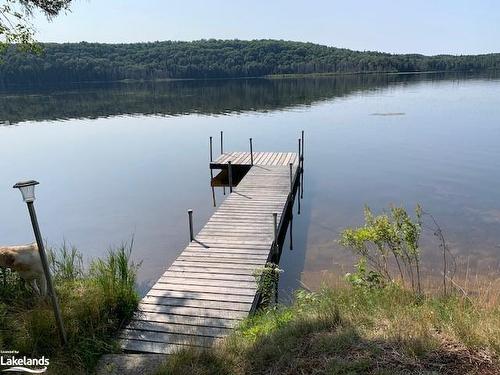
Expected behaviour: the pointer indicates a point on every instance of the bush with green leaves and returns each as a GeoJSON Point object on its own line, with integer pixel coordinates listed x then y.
{"type": "Point", "coordinates": [363, 278]}
{"type": "Point", "coordinates": [268, 279]}
{"type": "Point", "coordinates": [392, 236]}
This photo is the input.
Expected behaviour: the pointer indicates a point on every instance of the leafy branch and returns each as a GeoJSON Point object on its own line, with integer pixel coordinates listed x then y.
{"type": "Point", "coordinates": [15, 21]}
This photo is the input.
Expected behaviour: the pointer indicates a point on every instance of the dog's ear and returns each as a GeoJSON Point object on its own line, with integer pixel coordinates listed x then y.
{"type": "Point", "coordinates": [7, 259]}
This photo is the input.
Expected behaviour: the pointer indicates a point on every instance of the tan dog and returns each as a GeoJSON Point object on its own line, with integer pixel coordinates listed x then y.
{"type": "Point", "coordinates": [25, 260]}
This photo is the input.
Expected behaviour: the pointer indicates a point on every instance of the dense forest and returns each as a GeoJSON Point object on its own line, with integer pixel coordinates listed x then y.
{"type": "Point", "coordinates": [83, 62]}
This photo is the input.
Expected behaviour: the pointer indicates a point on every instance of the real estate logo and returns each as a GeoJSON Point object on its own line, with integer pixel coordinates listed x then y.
{"type": "Point", "coordinates": [25, 364]}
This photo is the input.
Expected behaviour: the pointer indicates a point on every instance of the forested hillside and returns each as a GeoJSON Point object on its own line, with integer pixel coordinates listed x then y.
{"type": "Point", "coordinates": [81, 62]}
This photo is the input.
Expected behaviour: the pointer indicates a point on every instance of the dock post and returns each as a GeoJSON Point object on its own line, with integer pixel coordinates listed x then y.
{"type": "Point", "coordinates": [212, 185]}
{"type": "Point", "coordinates": [221, 142]}
{"type": "Point", "coordinates": [213, 197]}
{"type": "Point", "coordinates": [251, 152]}
{"type": "Point", "coordinates": [275, 221]}
{"type": "Point", "coordinates": [190, 215]}
{"type": "Point", "coordinates": [230, 175]}
{"type": "Point", "coordinates": [300, 154]}
{"type": "Point", "coordinates": [302, 170]}
{"type": "Point", "coordinates": [211, 153]}
{"type": "Point", "coordinates": [302, 145]}
{"type": "Point", "coordinates": [291, 178]}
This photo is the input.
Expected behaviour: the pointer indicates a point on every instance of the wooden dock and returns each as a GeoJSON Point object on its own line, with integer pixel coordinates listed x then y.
{"type": "Point", "coordinates": [210, 287]}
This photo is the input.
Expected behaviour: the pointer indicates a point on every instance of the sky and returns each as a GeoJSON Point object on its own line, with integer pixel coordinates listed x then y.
{"type": "Point", "coordinates": [428, 27]}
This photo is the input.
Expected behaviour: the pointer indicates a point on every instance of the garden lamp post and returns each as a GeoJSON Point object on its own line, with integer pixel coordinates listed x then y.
{"type": "Point", "coordinates": [27, 189]}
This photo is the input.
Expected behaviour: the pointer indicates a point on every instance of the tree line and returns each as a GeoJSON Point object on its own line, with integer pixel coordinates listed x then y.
{"type": "Point", "coordinates": [205, 59]}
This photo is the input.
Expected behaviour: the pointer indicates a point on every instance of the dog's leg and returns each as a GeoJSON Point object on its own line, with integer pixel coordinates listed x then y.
{"type": "Point", "coordinates": [34, 286]}
{"type": "Point", "coordinates": [42, 282]}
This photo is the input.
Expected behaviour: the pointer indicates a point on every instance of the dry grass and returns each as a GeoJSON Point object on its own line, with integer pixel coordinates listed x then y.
{"type": "Point", "coordinates": [348, 331]}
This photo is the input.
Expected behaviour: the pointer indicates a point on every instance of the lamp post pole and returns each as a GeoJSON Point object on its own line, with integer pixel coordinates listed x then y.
{"type": "Point", "coordinates": [45, 265]}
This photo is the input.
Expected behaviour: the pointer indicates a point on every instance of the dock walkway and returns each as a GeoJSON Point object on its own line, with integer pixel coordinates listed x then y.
{"type": "Point", "coordinates": [210, 287]}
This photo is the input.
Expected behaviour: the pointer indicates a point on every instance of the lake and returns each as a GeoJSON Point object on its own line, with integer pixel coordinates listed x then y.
{"type": "Point", "coordinates": [124, 160]}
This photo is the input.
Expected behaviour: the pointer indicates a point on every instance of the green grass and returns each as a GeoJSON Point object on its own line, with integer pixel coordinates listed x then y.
{"type": "Point", "coordinates": [356, 331]}
{"type": "Point", "coordinates": [95, 304]}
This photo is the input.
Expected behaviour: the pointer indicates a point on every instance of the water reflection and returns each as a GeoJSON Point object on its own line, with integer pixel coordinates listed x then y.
{"type": "Point", "coordinates": [174, 98]}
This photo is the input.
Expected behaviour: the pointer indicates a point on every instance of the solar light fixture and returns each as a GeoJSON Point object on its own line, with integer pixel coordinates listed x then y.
{"type": "Point", "coordinates": [27, 189]}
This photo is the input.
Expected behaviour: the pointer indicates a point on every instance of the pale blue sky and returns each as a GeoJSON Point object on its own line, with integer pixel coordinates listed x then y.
{"type": "Point", "coordinates": [429, 27]}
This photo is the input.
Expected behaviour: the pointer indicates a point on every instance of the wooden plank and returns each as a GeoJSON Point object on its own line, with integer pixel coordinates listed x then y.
{"type": "Point", "coordinates": [258, 159]}
{"type": "Point", "coordinates": [208, 275]}
{"type": "Point", "coordinates": [203, 260]}
{"type": "Point", "coordinates": [281, 159]}
{"type": "Point", "coordinates": [223, 291]}
{"type": "Point", "coordinates": [276, 161]}
{"type": "Point", "coordinates": [192, 311]}
{"type": "Point", "coordinates": [227, 241]}
{"type": "Point", "coordinates": [230, 250]}
{"type": "Point", "coordinates": [218, 271]}
{"type": "Point", "coordinates": [229, 255]}
{"type": "Point", "coordinates": [257, 227]}
{"type": "Point", "coordinates": [240, 236]}
{"type": "Point", "coordinates": [196, 281]}
{"type": "Point", "coordinates": [224, 158]}
{"type": "Point", "coordinates": [192, 321]}
{"type": "Point", "coordinates": [178, 328]}
{"type": "Point", "coordinates": [249, 209]}
{"type": "Point", "coordinates": [231, 230]}
{"type": "Point", "coordinates": [186, 302]}
{"type": "Point", "coordinates": [210, 264]}
{"type": "Point", "coordinates": [168, 338]}
{"type": "Point", "coordinates": [200, 296]}
{"type": "Point", "coordinates": [266, 159]}
{"type": "Point", "coordinates": [137, 346]}
{"type": "Point", "coordinates": [257, 201]}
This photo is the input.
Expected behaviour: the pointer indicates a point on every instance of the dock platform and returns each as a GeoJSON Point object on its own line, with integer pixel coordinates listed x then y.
{"type": "Point", "coordinates": [211, 286]}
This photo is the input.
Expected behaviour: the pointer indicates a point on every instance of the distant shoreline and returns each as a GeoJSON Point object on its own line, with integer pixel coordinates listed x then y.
{"type": "Point", "coordinates": [217, 59]}
{"type": "Point", "coordinates": [270, 77]}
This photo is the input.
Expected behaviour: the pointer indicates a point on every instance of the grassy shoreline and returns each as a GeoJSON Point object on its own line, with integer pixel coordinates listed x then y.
{"type": "Point", "coordinates": [95, 303]}
{"type": "Point", "coordinates": [357, 331]}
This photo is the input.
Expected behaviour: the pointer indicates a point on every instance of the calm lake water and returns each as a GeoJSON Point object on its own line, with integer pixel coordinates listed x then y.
{"type": "Point", "coordinates": [122, 160]}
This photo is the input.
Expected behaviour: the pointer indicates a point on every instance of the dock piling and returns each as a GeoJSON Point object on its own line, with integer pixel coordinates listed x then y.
{"type": "Point", "coordinates": [212, 185]}
{"type": "Point", "coordinates": [302, 145]}
{"type": "Point", "coordinates": [230, 176]}
{"type": "Point", "coordinates": [302, 169]}
{"type": "Point", "coordinates": [221, 142]}
{"type": "Point", "coordinates": [298, 199]}
{"type": "Point", "coordinates": [251, 152]}
{"type": "Point", "coordinates": [275, 222]}
{"type": "Point", "coordinates": [211, 152]}
{"type": "Point", "coordinates": [300, 153]}
{"type": "Point", "coordinates": [190, 215]}
{"type": "Point", "coordinates": [291, 178]}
